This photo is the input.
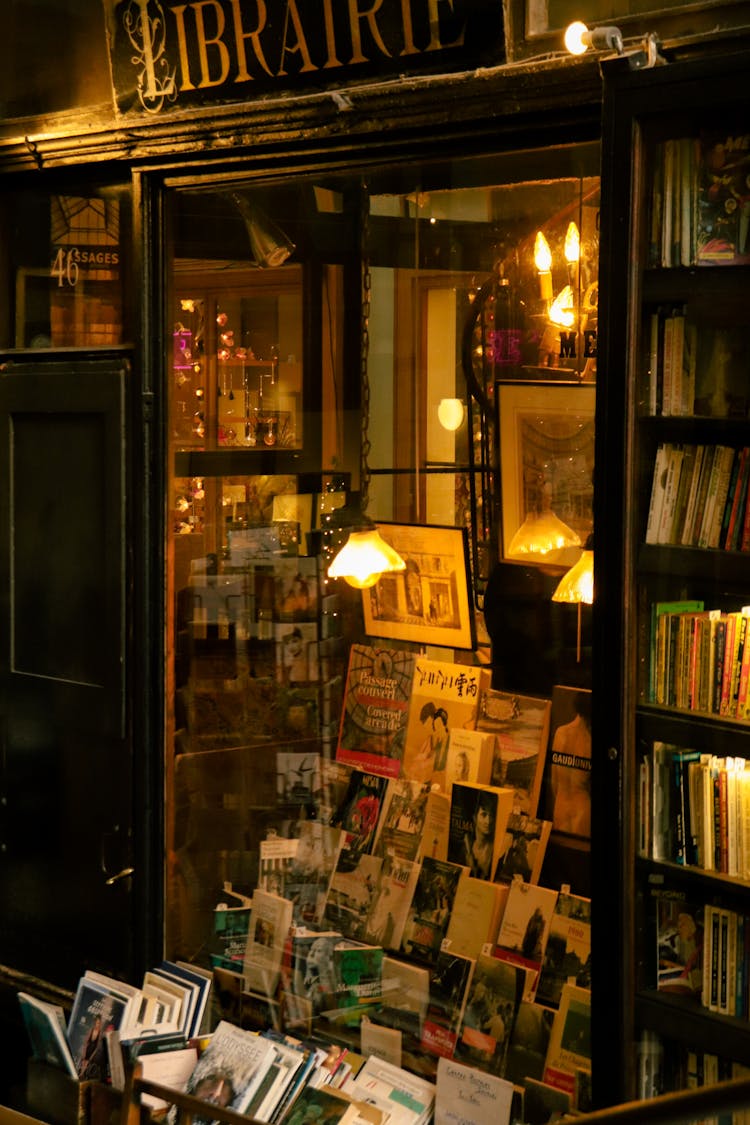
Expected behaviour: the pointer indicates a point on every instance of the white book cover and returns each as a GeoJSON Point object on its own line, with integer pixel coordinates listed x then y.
{"type": "Point", "coordinates": [270, 919]}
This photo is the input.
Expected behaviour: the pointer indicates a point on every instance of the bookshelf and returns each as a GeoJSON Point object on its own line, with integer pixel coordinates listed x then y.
{"type": "Point", "coordinates": [675, 287]}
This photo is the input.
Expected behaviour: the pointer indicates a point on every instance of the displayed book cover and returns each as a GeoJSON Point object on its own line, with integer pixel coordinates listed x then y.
{"type": "Point", "coordinates": [406, 989]}
{"type": "Point", "coordinates": [311, 870]}
{"type": "Point", "coordinates": [520, 724]}
{"type": "Point", "coordinates": [359, 812]}
{"type": "Point", "coordinates": [270, 919]}
{"type": "Point", "coordinates": [723, 167]}
{"type": "Point", "coordinates": [567, 955]}
{"type": "Point", "coordinates": [352, 892]}
{"type": "Point", "coordinates": [459, 1088]}
{"type": "Point", "coordinates": [334, 784]}
{"type": "Point", "coordinates": [402, 821]}
{"type": "Point", "coordinates": [679, 941]}
{"type": "Point", "coordinates": [298, 774]}
{"type": "Point", "coordinates": [276, 854]}
{"type": "Point", "coordinates": [296, 582]}
{"type": "Point", "coordinates": [475, 919]}
{"type": "Point", "coordinates": [287, 1060]}
{"type": "Point", "coordinates": [297, 659]}
{"type": "Point", "coordinates": [375, 710]}
{"type": "Point", "coordinates": [494, 997]}
{"type": "Point", "coordinates": [470, 756]}
{"type": "Point", "coordinates": [230, 1069]}
{"type": "Point", "coordinates": [95, 1011]}
{"type": "Point", "coordinates": [231, 926]}
{"type": "Point", "coordinates": [570, 1039]}
{"type": "Point", "coordinates": [430, 908]}
{"type": "Point", "coordinates": [45, 1027]}
{"type": "Point", "coordinates": [406, 1097]}
{"type": "Point", "coordinates": [568, 773]}
{"type": "Point", "coordinates": [391, 901]}
{"type": "Point", "coordinates": [522, 937]}
{"type": "Point", "coordinates": [478, 820]}
{"type": "Point", "coordinates": [449, 989]}
{"type": "Point", "coordinates": [528, 1042]}
{"type": "Point", "coordinates": [311, 977]}
{"type": "Point", "coordinates": [358, 979]}
{"type": "Point", "coordinates": [523, 847]}
{"type": "Point", "coordinates": [445, 696]}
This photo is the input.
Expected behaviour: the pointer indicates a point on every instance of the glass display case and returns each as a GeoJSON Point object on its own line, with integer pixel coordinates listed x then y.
{"type": "Point", "coordinates": [362, 375]}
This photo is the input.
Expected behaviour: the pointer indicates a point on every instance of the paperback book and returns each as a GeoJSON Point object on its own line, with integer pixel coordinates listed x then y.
{"type": "Point", "coordinates": [270, 919]}
{"type": "Point", "coordinates": [491, 1006]}
{"type": "Point", "coordinates": [311, 871]}
{"type": "Point", "coordinates": [391, 901]}
{"type": "Point", "coordinates": [352, 892]}
{"type": "Point", "coordinates": [375, 711]}
{"type": "Point", "coordinates": [444, 697]}
{"type": "Point", "coordinates": [524, 846]}
{"type": "Point", "coordinates": [477, 830]}
{"type": "Point", "coordinates": [522, 937]}
{"type": "Point", "coordinates": [449, 989]}
{"type": "Point", "coordinates": [520, 724]}
{"type": "Point", "coordinates": [430, 909]}
{"type": "Point", "coordinates": [567, 955]}
{"type": "Point", "coordinates": [528, 1042]}
{"type": "Point", "coordinates": [570, 1040]}
{"type": "Point", "coordinates": [414, 818]}
{"type": "Point", "coordinates": [45, 1027]}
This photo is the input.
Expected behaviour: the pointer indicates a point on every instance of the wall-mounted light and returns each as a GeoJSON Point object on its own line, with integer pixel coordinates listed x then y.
{"type": "Point", "coordinates": [450, 413]}
{"type": "Point", "coordinates": [578, 38]}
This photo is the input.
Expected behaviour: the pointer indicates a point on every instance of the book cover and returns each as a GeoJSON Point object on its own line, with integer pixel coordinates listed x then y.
{"type": "Point", "coordinates": [567, 955]}
{"type": "Point", "coordinates": [478, 820]}
{"type": "Point", "coordinates": [391, 900]}
{"type": "Point", "coordinates": [568, 783]}
{"type": "Point", "coordinates": [311, 870]}
{"type": "Point", "coordinates": [475, 918]}
{"type": "Point", "coordinates": [679, 942]}
{"type": "Point", "coordinates": [311, 979]}
{"type": "Point", "coordinates": [402, 821]}
{"type": "Point", "coordinates": [358, 980]}
{"type": "Point", "coordinates": [95, 1011]}
{"type": "Point", "coordinates": [494, 997]}
{"type": "Point", "coordinates": [658, 489]}
{"type": "Point", "coordinates": [408, 1097]}
{"type": "Point", "coordinates": [520, 724]}
{"type": "Point", "coordinates": [375, 710]}
{"type": "Point", "coordinates": [275, 862]}
{"type": "Point", "coordinates": [523, 848]}
{"type": "Point", "coordinates": [430, 908]}
{"type": "Point", "coordinates": [270, 919]}
{"type": "Point", "coordinates": [522, 937]}
{"type": "Point", "coordinates": [445, 696]}
{"type": "Point", "coordinates": [352, 892]}
{"type": "Point", "coordinates": [722, 170]}
{"type": "Point", "coordinates": [297, 774]}
{"type": "Point", "coordinates": [529, 1042]}
{"type": "Point", "coordinates": [406, 989]}
{"type": "Point", "coordinates": [470, 756]}
{"type": "Point", "coordinates": [45, 1027]}
{"type": "Point", "coordinates": [449, 989]}
{"type": "Point", "coordinates": [570, 1040]}
{"type": "Point", "coordinates": [359, 813]}
{"type": "Point", "coordinates": [462, 1093]}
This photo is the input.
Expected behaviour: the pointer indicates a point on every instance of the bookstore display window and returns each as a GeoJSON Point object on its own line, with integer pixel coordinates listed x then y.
{"type": "Point", "coordinates": [296, 390]}
{"type": "Point", "coordinates": [66, 267]}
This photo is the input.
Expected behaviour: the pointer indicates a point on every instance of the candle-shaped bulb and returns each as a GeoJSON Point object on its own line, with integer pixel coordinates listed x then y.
{"type": "Point", "coordinates": [543, 263]}
{"type": "Point", "coordinates": [572, 243]}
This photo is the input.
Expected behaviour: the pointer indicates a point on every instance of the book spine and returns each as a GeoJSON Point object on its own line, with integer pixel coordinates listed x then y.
{"type": "Point", "coordinates": [692, 499]}
{"type": "Point", "coordinates": [658, 484]}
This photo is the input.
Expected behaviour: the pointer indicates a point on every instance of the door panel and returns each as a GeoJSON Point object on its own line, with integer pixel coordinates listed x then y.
{"type": "Point", "coordinates": [65, 820]}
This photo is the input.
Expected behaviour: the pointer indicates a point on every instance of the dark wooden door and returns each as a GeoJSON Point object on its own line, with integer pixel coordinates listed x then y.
{"type": "Point", "coordinates": [65, 763]}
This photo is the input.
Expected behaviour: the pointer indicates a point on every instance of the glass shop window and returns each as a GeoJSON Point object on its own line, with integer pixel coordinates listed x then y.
{"type": "Point", "coordinates": [64, 266]}
{"type": "Point", "coordinates": [418, 347]}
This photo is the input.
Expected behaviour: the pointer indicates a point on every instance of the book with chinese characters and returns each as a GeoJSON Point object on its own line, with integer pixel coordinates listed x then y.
{"type": "Point", "coordinates": [445, 697]}
{"type": "Point", "coordinates": [375, 711]}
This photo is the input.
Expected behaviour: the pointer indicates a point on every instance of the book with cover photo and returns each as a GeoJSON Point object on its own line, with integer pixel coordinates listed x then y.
{"type": "Point", "coordinates": [477, 829]}
{"type": "Point", "coordinates": [359, 813]}
{"type": "Point", "coordinates": [449, 989]}
{"type": "Point", "coordinates": [523, 848]}
{"type": "Point", "coordinates": [229, 1070]}
{"type": "Point", "coordinates": [494, 998]}
{"type": "Point", "coordinates": [567, 955]}
{"type": "Point", "coordinates": [430, 909]}
{"type": "Point", "coordinates": [522, 937]}
{"type": "Point", "coordinates": [568, 770]}
{"type": "Point", "coordinates": [391, 900]}
{"type": "Point", "coordinates": [520, 724]}
{"type": "Point", "coordinates": [311, 869]}
{"type": "Point", "coordinates": [351, 892]}
{"type": "Point", "coordinates": [375, 709]}
{"type": "Point", "coordinates": [95, 1012]}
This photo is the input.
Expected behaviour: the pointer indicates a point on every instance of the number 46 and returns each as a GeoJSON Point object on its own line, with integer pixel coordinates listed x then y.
{"type": "Point", "coordinates": [65, 267]}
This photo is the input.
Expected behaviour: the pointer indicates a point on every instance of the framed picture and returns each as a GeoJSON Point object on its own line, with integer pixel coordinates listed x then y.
{"type": "Point", "coordinates": [429, 602]}
{"type": "Point", "coordinates": [546, 436]}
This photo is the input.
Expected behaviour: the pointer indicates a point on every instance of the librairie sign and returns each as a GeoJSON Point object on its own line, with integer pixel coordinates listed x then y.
{"type": "Point", "coordinates": [174, 54]}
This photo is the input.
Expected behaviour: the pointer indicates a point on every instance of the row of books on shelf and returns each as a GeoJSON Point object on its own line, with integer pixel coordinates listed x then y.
{"type": "Point", "coordinates": [703, 952]}
{"type": "Point", "coordinates": [665, 1064]}
{"type": "Point", "coordinates": [699, 209]}
{"type": "Point", "coordinates": [699, 659]}
{"type": "Point", "coordinates": [699, 497]}
{"type": "Point", "coordinates": [694, 809]}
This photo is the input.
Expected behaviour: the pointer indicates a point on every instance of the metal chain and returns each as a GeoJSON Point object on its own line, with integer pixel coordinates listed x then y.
{"type": "Point", "coordinates": [364, 336]}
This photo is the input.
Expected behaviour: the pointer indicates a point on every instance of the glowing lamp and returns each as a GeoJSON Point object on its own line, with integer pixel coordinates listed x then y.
{"type": "Point", "coordinates": [576, 587]}
{"type": "Point", "coordinates": [542, 535]}
{"type": "Point", "coordinates": [363, 558]}
{"type": "Point", "coordinates": [543, 263]}
{"type": "Point", "coordinates": [578, 38]}
{"type": "Point", "coordinates": [561, 309]}
{"type": "Point", "coordinates": [450, 413]}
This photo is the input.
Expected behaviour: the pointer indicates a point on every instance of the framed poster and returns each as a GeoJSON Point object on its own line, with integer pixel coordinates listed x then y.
{"type": "Point", "coordinates": [429, 602]}
{"type": "Point", "coordinates": [546, 438]}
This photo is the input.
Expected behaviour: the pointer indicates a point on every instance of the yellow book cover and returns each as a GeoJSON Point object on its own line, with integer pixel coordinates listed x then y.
{"type": "Point", "coordinates": [444, 697]}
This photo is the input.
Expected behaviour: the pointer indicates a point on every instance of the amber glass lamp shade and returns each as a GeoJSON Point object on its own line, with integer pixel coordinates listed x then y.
{"type": "Point", "coordinates": [363, 558]}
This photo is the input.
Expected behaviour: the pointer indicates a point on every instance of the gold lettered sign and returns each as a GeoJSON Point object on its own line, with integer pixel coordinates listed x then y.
{"type": "Point", "coordinates": [173, 54]}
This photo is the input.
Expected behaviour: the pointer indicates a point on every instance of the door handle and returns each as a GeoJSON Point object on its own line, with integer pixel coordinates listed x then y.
{"type": "Point", "coordinates": [124, 874]}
